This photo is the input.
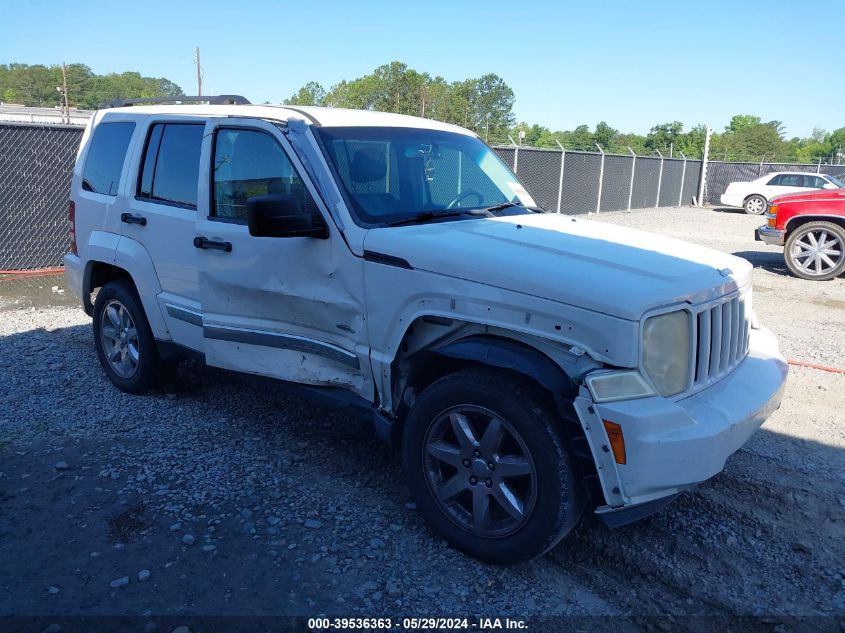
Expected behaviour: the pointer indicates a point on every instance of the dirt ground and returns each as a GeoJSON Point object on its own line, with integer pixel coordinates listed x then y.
{"type": "Point", "coordinates": [221, 496]}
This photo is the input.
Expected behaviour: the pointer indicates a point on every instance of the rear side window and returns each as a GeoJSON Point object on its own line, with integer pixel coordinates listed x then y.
{"type": "Point", "coordinates": [171, 166]}
{"type": "Point", "coordinates": [106, 156]}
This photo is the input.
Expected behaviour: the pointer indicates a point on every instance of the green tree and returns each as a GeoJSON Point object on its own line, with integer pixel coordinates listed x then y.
{"type": "Point", "coordinates": [605, 136]}
{"type": "Point", "coordinates": [35, 85]}
{"type": "Point", "coordinates": [311, 94]}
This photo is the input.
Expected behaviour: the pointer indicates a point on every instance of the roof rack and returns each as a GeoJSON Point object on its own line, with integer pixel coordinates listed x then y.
{"type": "Point", "coordinates": [209, 99]}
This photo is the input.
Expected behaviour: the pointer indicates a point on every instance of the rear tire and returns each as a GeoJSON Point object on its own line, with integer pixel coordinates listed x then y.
{"type": "Point", "coordinates": [124, 341]}
{"type": "Point", "coordinates": [816, 251]}
{"type": "Point", "coordinates": [755, 205]}
{"type": "Point", "coordinates": [488, 467]}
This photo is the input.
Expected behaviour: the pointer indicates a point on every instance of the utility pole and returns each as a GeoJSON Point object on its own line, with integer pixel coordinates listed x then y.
{"type": "Point", "coordinates": [64, 93]}
{"type": "Point", "coordinates": [703, 179]}
{"type": "Point", "coordinates": [199, 71]}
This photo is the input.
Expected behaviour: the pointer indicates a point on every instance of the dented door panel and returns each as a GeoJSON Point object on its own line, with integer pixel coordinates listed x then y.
{"type": "Point", "coordinates": [287, 308]}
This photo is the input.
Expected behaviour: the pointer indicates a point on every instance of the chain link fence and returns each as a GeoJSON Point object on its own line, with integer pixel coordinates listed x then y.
{"type": "Point", "coordinates": [36, 162]}
{"type": "Point", "coordinates": [588, 182]}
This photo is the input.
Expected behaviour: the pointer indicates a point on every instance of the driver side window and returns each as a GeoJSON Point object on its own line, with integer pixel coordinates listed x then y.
{"type": "Point", "coordinates": [250, 163]}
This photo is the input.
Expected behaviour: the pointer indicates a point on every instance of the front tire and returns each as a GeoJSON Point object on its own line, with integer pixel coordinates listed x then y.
{"type": "Point", "coordinates": [488, 467]}
{"type": "Point", "coordinates": [816, 251]}
{"type": "Point", "coordinates": [124, 341]}
{"type": "Point", "coordinates": [755, 205]}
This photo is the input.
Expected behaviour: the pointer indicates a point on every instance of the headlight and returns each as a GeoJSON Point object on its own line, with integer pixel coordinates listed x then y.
{"type": "Point", "coordinates": [617, 385]}
{"type": "Point", "coordinates": [666, 351]}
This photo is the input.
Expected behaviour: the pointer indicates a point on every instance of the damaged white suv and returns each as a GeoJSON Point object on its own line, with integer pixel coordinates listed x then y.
{"type": "Point", "coordinates": [528, 365]}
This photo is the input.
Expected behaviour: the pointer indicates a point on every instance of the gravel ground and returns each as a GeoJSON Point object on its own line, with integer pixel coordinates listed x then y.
{"type": "Point", "coordinates": [221, 495]}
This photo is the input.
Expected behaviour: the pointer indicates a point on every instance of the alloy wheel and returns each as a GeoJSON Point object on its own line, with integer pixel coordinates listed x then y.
{"type": "Point", "coordinates": [479, 471]}
{"type": "Point", "coordinates": [755, 205]}
{"type": "Point", "coordinates": [817, 252]}
{"type": "Point", "coordinates": [119, 338]}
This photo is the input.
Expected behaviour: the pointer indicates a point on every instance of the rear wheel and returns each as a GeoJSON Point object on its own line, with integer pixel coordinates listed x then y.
{"type": "Point", "coordinates": [488, 468]}
{"type": "Point", "coordinates": [123, 339]}
{"type": "Point", "coordinates": [816, 250]}
{"type": "Point", "coordinates": [755, 205]}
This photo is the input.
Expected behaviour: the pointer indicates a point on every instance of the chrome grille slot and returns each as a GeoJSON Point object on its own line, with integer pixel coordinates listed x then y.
{"type": "Point", "coordinates": [721, 341]}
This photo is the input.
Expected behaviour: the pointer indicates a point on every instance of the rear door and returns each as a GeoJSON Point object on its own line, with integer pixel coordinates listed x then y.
{"type": "Point", "coordinates": [794, 183]}
{"type": "Point", "coordinates": [161, 214]}
{"type": "Point", "coordinates": [289, 308]}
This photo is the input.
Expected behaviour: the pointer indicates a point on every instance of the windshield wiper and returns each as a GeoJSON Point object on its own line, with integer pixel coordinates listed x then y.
{"type": "Point", "coordinates": [508, 205]}
{"type": "Point", "coordinates": [504, 205]}
{"type": "Point", "coordinates": [428, 216]}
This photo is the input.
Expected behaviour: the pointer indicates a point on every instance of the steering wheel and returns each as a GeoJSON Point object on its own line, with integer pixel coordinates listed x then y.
{"type": "Point", "coordinates": [465, 194]}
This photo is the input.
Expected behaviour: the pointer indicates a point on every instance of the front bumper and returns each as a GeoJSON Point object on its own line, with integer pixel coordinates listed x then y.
{"type": "Point", "coordinates": [773, 237]}
{"type": "Point", "coordinates": [672, 445]}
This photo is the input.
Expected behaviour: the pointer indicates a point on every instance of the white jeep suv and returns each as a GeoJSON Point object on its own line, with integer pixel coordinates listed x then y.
{"type": "Point", "coordinates": [527, 364]}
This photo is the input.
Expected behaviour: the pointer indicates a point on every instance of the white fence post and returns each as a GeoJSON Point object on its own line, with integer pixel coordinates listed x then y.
{"type": "Point", "coordinates": [515, 153]}
{"type": "Point", "coordinates": [633, 171]}
{"type": "Point", "coordinates": [601, 179]}
{"type": "Point", "coordinates": [560, 182]}
{"type": "Point", "coordinates": [702, 181]}
{"type": "Point", "coordinates": [819, 166]}
{"type": "Point", "coordinates": [683, 176]}
{"type": "Point", "coordinates": [659, 179]}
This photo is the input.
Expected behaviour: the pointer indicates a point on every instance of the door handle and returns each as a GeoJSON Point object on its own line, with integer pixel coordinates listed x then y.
{"type": "Point", "coordinates": [205, 243]}
{"type": "Point", "coordinates": [128, 218]}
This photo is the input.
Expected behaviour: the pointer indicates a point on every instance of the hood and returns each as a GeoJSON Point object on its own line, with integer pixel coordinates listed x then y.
{"type": "Point", "coordinates": [607, 268]}
{"type": "Point", "coordinates": [810, 196]}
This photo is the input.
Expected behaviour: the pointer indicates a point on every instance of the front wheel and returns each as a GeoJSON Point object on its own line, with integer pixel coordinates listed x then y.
{"type": "Point", "coordinates": [488, 467]}
{"type": "Point", "coordinates": [816, 251]}
{"type": "Point", "coordinates": [755, 205]}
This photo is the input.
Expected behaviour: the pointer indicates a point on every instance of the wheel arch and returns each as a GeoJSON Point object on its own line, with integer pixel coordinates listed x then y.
{"type": "Point", "coordinates": [798, 221]}
{"type": "Point", "coordinates": [556, 384]}
{"type": "Point", "coordinates": [755, 193]}
{"type": "Point", "coordinates": [97, 274]}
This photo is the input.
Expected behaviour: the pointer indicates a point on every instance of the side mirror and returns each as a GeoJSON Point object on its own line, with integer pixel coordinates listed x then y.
{"type": "Point", "coordinates": [828, 185]}
{"type": "Point", "coordinates": [277, 215]}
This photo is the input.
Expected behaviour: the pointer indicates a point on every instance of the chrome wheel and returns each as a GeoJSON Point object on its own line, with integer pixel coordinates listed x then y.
{"type": "Point", "coordinates": [755, 205]}
{"type": "Point", "coordinates": [817, 252]}
{"type": "Point", "coordinates": [119, 338]}
{"type": "Point", "coordinates": [479, 471]}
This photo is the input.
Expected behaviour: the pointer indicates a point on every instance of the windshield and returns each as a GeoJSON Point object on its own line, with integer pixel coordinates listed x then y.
{"type": "Point", "coordinates": [391, 174]}
{"type": "Point", "coordinates": [836, 181]}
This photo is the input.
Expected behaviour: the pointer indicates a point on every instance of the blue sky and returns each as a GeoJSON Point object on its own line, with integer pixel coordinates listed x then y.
{"type": "Point", "coordinates": [632, 64]}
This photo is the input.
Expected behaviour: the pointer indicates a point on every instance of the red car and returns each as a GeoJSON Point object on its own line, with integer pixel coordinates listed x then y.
{"type": "Point", "coordinates": [811, 228]}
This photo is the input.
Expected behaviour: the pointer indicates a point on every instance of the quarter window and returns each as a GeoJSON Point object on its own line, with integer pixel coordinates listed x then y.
{"type": "Point", "coordinates": [106, 157]}
{"type": "Point", "coordinates": [170, 170]}
{"type": "Point", "coordinates": [250, 163]}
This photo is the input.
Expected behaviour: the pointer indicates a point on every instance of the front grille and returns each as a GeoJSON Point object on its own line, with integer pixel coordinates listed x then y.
{"type": "Point", "coordinates": [721, 335]}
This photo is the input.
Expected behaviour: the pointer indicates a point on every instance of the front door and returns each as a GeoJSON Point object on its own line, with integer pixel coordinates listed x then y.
{"type": "Point", "coordinates": [289, 308]}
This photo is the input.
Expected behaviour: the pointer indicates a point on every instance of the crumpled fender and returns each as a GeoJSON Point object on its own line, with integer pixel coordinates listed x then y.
{"type": "Point", "coordinates": [506, 354]}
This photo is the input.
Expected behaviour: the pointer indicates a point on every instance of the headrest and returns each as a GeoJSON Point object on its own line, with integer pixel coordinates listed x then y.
{"type": "Point", "coordinates": [368, 165]}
